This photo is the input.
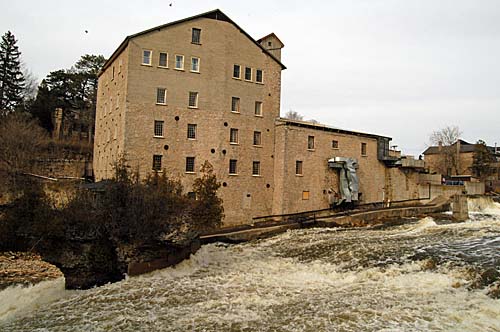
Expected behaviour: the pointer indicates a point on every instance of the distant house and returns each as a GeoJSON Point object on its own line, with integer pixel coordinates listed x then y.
{"type": "Point", "coordinates": [457, 159]}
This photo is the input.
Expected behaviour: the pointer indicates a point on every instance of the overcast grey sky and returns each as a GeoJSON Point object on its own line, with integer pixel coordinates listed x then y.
{"type": "Point", "coordinates": [399, 68]}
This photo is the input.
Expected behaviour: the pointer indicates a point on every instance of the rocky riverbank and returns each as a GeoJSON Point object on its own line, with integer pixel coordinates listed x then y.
{"type": "Point", "coordinates": [22, 268]}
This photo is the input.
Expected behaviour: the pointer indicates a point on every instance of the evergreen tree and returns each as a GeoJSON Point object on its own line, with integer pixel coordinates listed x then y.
{"type": "Point", "coordinates": [11, 76]}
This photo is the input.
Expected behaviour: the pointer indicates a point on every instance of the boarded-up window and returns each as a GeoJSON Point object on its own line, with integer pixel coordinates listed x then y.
{"type": "Point", "coordinates": [305, 195]}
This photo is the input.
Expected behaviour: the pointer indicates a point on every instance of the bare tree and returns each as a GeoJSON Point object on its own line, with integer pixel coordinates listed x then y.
{"type": "Point", "coordinates": [446, 138]}
{"type": "Point", "coordinates": [293, 115]}
{"type": "Point", "coordinates": [21, 142]}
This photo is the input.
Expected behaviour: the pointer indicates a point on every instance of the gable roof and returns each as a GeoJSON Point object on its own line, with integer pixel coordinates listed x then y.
{"type": "Point", "coordinates": [465, 147]}
{"type": "Point", "coordinates": [272, 34]}
{"type": "Point", "coordinates": [215, 14]}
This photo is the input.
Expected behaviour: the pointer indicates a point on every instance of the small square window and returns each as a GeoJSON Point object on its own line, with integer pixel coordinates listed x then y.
{"type": "Point", "coordinates": [305, 195]}
{"type": "Point", "coordinates": [298, 167]}
{"type": "Point", "coordinates": [363, 149]}
{"type": "Point", "coordinates": [310, 142]}
{"type": "Point", "coordinates": [193, 99]}
{"type": "Point", "coordinates": [233, 136]}
{"type": "Point", "coordinates": [235, 104]}
{"type": "Point", "coordinates": [257, 138]}
{"type": "Point", "coordinates": [195, 65]}
{"type": "Point", "coordinates": [191, 131]}
{"type": "Point", "coordinates": [163, 61]}
{"type": "Point", "coordinates": [161, 96]}
{"type": "Point", "coordinates": [190, 164]}
{"type": "Point", "coordinates": [258, 108]}
{"type": "Point", "coordinates": [335, 144]}
{"type": "Point", "coordinates": [259, 78]}
{"type": "Point", "coordinates": [158, 131]}
{"type": "Point", "coordinates": [236, 71]}
{"type": "Point", "coordinates": [157, 162]}
{"type": "Point", "coordinates": [233, 166]}
{"type": "Point", "coordinates": [196, 36]}
{"type": "Point", "coordinates": [256, 168]}
{"type": "Point", "coordinates": [248, 73]}
{"type": "Point", "coordinates": [146, 57]}
{"type": "Point", "coordinates": [179, 62]}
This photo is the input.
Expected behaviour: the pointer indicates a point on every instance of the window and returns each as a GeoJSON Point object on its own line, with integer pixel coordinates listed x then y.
{"type": "Point", "coordinates": [298, 167]}
{"type": "Point", "coordinates": [235, 105]}
{"type": "Point", "coordinates": [310, 142]}
{"type": "Point", "coordinates": [256, 168]}
{"type": "Point", "coordinates": [193, 99]}
{"type": "Point", "coordinates": [158, 128]}
{"type": "Point", "coordinates": [190, 164]}
{"type": "Point", "coordinates": [163, 62]}
{"type": "Point", "coordinates": [179, 62]}
{"type": "Point", "coordinates": [258, 76]}
{"type": "Point", "coordinates": [233, 166]}
{"type": "Point", "coordinates": [146, 57]}
{"type": "Point", "coordinates": [113, 73]}
{"type": "Point", "coordinates": [335, 144]}
{"type": "Point", "coordinates": [233, 136]}
{"type": "Point", "coordinates": [236, 71]}
{"type": "Point", "coordinates": [305, 195]}
{"type": "Point", "coordinates": [363, 149]}
{"type": "Point", "coordinates": [195, 65]}
{"type": "Point", "coordinates": [257, 138]}
{"type": "Point", "coordinates": [161, 96]}
{"type": "Point", "coordinates": [258, 108]}
{"type": "Point", "coordinates": [157, 162]}
{"type": "Point", "coordinates": [191, 195]}
{"type": "Point", "coordinates": [248, 73]}
{"type": "Point", "coordinates": [196, 36]}
{"type": "Point", "coordinates": [191, 133]}
{"type": "Point", "coordinates": [120, 64]}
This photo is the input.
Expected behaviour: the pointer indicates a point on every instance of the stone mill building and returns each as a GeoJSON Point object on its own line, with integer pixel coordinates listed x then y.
{"type": "Point", "coordinates": [201, 89]}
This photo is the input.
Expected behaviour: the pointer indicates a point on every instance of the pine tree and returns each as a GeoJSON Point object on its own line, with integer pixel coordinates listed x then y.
{"type": "Point", "coordinates": [11, 76]}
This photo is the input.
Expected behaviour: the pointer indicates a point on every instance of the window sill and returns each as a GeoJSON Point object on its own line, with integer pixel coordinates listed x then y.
{"type": "Point", "coordinates": [256, 175]}
{"type": "Point", "coordinates": [364, 155]}
{"type": "Point", "coordinates": [250, 81]}
{"type": "Point", "coordinates": [312, 150]}
{"type": "Point", "coordinates": [179, 69]}
{"type": "Point", "coordinates": [193, 107]}
{"type": "Point", "coordinates": [257, 146]}
{"type": "Point", "coordinates": [261, 83]}
{"type": "Point", "coordinates": [235, 112]}
{"type": "Point", "coordinates": [192, 139]}
{"type": "Point", "coordinates": [158, 136]}
{"type": "Point", "coordinates": [301, 175]}
{"type": "Point", "coordinates": [233, 174]}
{"type": "Point", "coordinates": [189, 172]}
{"type": "Point", "coordinates": [259, 116]}
{"type": "Point", "coordinates": [237, 78]}
{"type": "Point", "coordinates": [163, 67]}
{"type": "Point", "coordinates": [156, 171]}
{"type": "Point", "coordinates": [196, 43]}
{"type": "Point", "coordinates": [194, 71]}
{"type": "Point", "coordinates": [233, 143]}
{"type": "Point", "coordinates": [161, 104]}
{"type": "Point", "coordinates": [335, 149]}
{"type": "Point", "coordinates": [146, 64]}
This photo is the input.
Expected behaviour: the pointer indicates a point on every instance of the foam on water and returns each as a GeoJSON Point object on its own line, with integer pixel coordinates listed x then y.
{"type": "Point", "coordinates": [302, 280]}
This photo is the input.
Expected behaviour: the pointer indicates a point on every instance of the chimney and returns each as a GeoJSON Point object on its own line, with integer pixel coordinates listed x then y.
{"type": "Point", "coordinates": [440, 145]}
{"type": "Point", "coordinates": [272, 44]}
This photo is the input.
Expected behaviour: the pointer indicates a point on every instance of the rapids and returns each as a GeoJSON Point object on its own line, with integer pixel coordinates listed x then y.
{"type": "Point", "coordinates": [421, 275]}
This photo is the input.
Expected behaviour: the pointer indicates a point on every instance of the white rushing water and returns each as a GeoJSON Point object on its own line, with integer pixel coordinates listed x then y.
{"type": "Point", "coordinates": [418, 276]}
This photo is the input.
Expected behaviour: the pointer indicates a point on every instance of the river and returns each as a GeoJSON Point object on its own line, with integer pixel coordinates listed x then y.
{"type": "Point", "coordinates": [423, 275]}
